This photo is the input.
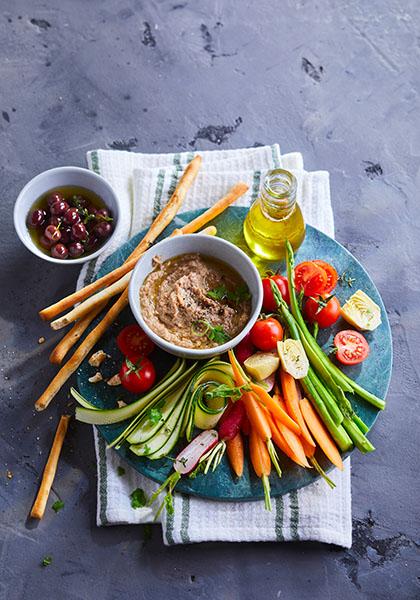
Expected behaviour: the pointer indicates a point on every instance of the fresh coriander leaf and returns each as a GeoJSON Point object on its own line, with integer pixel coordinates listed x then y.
{"type": "Point", "coordinates": [345, 279]}
{"type": "Point", "coordinates": [222, 293]}
{"type": "Point", "coordinates": [214, 333]}
{"type": "Point", "coordinates": [120, 471]}
{"type": "Point", "coordinates": [154, 415]}
{"type": "Point", "coordinates": [219, 293]}
{"type": "Point", "coordinates": [146, 449]}
{"type": "Point", "coordinates": [225, 391]}
{"type": "Point", "coordinates": [169, 504]}
{"type": "Point", "coordinates": [218, 334]}
{"type": "Point", "coordinates": [138, 498]}
{"type": "Point", "coordinates": [46, 561]}
{"type": "Point", "coordinates": [58, 505]}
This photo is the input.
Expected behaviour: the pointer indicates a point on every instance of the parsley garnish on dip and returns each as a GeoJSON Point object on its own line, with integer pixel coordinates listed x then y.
{"type": "Point", "coordinates": [195, 301]}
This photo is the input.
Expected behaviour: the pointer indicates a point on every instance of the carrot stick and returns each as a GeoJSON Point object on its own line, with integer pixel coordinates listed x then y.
{"type": "Point", "coordinates": [256, 416]}
{"type": "Point", "coordinates": [233, 194]}
{"type": "Point", "coordinates": [261, 463]}
{"type": "Point", "coordinates": [158, 225]}
{"type": "Point", "coordinates": [71, 337]}
{"type": "Point", "coordinates": [82, 351]}
{"type": "Point", "coordinates": [280, 442]}
{"type": "Point", "coordinates": [238, 374]}
{"type": "Point", "coordinates": [292, 440]}
{"type": "Point", "coordinates": [235, 453]}
{"type": "Point", "coordinates": [320, 433]}
{"type": "Point", "coordinates": [291, 397]}
{"type": "Point", "coordinates": [274, 407]}
{"type": "Point", "coordinates": [50, 469]}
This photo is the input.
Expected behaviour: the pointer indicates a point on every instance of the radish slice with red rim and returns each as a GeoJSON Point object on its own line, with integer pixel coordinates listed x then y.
{"type": "Point", "coordinates": [190, 456]}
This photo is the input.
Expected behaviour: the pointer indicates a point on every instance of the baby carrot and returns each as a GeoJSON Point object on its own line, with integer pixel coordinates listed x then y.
{"type": "Point", "coordinates": [291, 397]}
{"type": "Point", "coordinates": [238, 373]}
{"type": "Point", "coordinates": [235, 453]}
{"type": "Point", "coordinates": [280, 442]}
{"type": "Point", "coordinates": [261, 462]}
{"type": "Point", "coordinates": [320, 433]}
{"type": "Point", "coordinates": [274, 407]}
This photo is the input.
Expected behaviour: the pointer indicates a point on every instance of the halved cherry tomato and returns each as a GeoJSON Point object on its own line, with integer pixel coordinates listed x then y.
{"type": "Point", "coordinates": [352, 347]}
{"type": "Point", "coordinates": [244, 349]}
{"type": "Point", "coordinates": [266, 333]}
{"type": "Point", "coordinates": [323, 309]}
{"type": "Point", "coordinates": [132, 341]}
{"type": "Point", "coordinates": [310, 278]}
{"type": "Point", "coordinates": [332, 275]}
{"type": "Point", "coordinates": [269, 304]}
{"type": "Point", "coordinates": [137, 374]}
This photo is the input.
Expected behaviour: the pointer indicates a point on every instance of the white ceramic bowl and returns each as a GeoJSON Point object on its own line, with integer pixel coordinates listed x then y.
{"type": "Point", "coordinates": [206, 245]}
{"type": "Point", "coordinates": [55, 178]}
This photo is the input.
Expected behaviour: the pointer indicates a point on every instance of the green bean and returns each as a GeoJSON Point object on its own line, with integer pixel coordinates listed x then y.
{"type": "Point", "coordinates": [360, 423]}
{"type": "Point", "coordinates": [360, 440]}
{"type": "Point", "coordinates": [327, 397]}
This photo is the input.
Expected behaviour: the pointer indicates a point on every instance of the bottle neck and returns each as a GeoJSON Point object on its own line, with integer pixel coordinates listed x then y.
{"type": "Point", "coordinates": [278, 194]}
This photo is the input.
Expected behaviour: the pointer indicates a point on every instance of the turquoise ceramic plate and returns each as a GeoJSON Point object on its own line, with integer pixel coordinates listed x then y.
{"type": "Point", "coordinates": [374, 373]}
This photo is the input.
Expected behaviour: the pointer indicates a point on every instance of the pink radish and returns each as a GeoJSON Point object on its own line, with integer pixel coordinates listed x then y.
{"type": "Point", "coordinates": [189, 457]}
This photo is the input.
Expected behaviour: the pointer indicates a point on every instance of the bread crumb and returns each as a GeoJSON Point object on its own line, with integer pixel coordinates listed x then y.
{"type": "Point", "coordinates": [96, 378]}
{"type": "Point", "coordinates": [41, 340]}
{"type": "Point", "coordinates": [115, 380]}
{"type": "Point", "coordinates": [9, 474]}
{"type": "Point", "coordinates": [98, 358]}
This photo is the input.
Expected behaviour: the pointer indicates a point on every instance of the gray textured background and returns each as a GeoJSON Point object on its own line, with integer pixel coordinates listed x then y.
{"type": "Point", "coordinates": [338, 81]}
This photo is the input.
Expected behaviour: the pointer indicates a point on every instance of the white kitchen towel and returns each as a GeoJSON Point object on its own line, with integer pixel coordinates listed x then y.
{"type": "Point", "coordinates": [144, 182]}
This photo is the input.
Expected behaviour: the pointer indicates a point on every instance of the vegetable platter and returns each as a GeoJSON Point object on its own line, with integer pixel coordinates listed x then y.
{"type": "Point", "coordinates": [373, 374]}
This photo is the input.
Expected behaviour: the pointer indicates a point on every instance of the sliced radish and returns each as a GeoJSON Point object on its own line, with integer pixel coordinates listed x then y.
{"type": "Point", "coordinates": [189, 457]}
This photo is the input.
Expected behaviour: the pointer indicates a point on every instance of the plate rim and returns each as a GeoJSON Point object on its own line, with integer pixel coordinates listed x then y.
{"type": "Point", "coordinates": [123, 452]}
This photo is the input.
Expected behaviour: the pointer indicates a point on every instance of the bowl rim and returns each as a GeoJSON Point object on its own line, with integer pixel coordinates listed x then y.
{"type": "Point", "coordinates": [18, 219]}
{"type": "Point", "coordinates": [201, 353]}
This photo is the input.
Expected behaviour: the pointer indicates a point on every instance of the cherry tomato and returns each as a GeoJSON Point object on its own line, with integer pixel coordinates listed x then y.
{"type": "Point", "coordinates": [269, 303]}
{"type": "Point", "coordinates": [324, 310]}
{"type": "Point", "coordinates": [310, 278]}
{"type": "Point", "coordinates": [332, 275]}
{"type": "Point", "coordinates": [352, 347]}
{"type": "Point", "coordinates": [244, 349]}
{"type": "Point", "coordinates": [132, 341]}
{"type": "Point", "coordinates": [137, 374]}
{"type": "Point", "coordinates": [266, 333]}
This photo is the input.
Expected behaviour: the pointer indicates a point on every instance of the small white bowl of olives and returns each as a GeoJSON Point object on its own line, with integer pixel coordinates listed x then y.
{"type": "Point", "coordinates": [67, 215]}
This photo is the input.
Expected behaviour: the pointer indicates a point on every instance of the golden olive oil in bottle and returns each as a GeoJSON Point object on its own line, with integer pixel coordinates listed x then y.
{"type": "Point", "coordinates": [275, 217]}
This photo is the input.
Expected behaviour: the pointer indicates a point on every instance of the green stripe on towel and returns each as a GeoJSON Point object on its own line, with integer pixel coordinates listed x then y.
{"type": "Point", "coordinates": [185, 519]}
{"type": "Point", "coordinates": [103, 489]}
{"type": "Point", "coordinates": [278, 523]}
{"type": "Point", "coordinates": [294, 516]}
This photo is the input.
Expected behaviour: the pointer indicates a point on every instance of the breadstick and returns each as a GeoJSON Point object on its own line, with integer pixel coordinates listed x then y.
{"type": "Point", "coordinates": [67, 342]}
{"type": "Point", "coordinates": [82, 351]}
{"type": "Point", "coordinates": [50, 469]}
{"type": "Point", "coordinates": [88, 343]}
{"type": "Point", "coordinates": [158, 225]}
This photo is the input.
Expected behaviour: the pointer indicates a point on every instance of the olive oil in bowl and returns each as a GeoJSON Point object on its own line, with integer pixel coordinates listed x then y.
{"type": "Point", "coordinates": [275, 217]}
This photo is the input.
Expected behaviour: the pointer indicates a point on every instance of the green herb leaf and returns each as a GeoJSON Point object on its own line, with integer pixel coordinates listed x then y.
{"type": "Point", "coordinates": [169, 504]}
{"type": "Point", "coordinates": [154, 415]}
{"type": "Point", "coordinates": [58, 505]}
{"type": "Point", "coordinates": [214, 333]}
{"type": "Point", "coordinates": [138, 498]}
{"type": "Point", "coordinates": [200, 468]}
{"type": "Point", "coordinates": [345, 279]}
{"type": "Point", "coordinates": [46, 561]}
{"type": "Point", "coordinates": [226, 391]}
{"type": "Point", "coordinates": [222, 293]}
{"type": "Point", "coordinates": [120, 471]}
